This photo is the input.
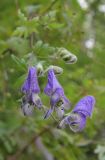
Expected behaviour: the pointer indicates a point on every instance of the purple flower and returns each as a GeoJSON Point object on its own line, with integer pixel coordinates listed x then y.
{"type": "Point", "coordinates": [31, 90]}
{"type": "Point", "coordinates": [31, 83]}
{"type": "Point", "coordinates": [56, 93]}
{"type": "Point", "coordinates": [85, 106]}
{"type": "Point", "coordinates": [77, 118]}
{"type": "Point", "coordinates": [76, 121]}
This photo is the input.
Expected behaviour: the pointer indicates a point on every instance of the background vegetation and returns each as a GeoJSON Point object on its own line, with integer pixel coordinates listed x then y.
{"type": "Point", "coordinates": [62, 23]}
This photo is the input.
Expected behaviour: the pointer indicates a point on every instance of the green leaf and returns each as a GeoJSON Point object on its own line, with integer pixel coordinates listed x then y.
{"type": "Point", "coordinates": [21, 31]}
{"type": "Point", "coordinates": [22, 16]}
{"type": "Point", "coordinates": [19, 81]}
{"type": "Point", "coordinates": [38, 45]}
{"type": "Point", "coordinates": [20, 62]}
{"type": "Point", "coordinates": [3, 46]}
{"type": "Point", "coordinates": [55, 25]}
{"type": "Point", "coordinates": [18, 45]}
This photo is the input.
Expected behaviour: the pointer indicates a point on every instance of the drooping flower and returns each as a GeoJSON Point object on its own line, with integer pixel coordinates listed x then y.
{"type": "Point", "coordinates": [77, 118]}
{"type": "Point", "coordinates": [56, 93]}
{"type": "Point", "coordinates": [85, 106]}
{"type": "Point", "coordinates": [31, 90]}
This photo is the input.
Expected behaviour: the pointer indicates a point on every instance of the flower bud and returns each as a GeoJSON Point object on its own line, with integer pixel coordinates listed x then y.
{"type": "Point", "coordinates": [57, 70]}
{"type": "Point", "coordinates": [39, 69]}
{"type": "Point", "coordinates": [70, 59]}
{"type": "Point", "coordinates": [67, 56]}
{"type": "Point", "coordinates": [62, 52]}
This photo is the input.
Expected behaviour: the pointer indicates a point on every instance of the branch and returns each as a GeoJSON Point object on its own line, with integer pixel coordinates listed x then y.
{"type": "Point", "coordinates": [24, 148]}
{"type": "Point", "coordinates": [42, 148]}
{"type": "Point", "coordinates": [50, 6]}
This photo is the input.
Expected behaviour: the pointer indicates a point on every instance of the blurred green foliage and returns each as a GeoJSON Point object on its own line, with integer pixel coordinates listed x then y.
{"type": "Point", "coordinates": [59, 23]}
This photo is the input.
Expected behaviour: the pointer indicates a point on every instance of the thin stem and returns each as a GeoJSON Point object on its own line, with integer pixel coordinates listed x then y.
{"type": "Point", "coordinates": [17, 5]}
{"type": "Point", "coordinates": [42, 57]}
{"type": "Point", "coordinates": [50, 6]}
{"type": "Point", "coordinates": [32, 37]}
{"type": "Point", "coordinates": [44, 109]}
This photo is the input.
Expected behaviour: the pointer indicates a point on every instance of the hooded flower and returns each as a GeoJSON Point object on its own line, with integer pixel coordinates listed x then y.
{"type": "Point", "coordinates": [85, 106]}
{"type": "Point", "coordinates": [31, 90]}
{"type": "Point", "coordinates": [77, 118]}
{"type": "Point", "coordinates": [56, 93]}
{"type": "Point", "coordinates": [31, 83]}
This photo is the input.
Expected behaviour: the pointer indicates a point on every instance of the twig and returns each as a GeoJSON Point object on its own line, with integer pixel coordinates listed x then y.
{"type": "Point", "coordinates": [43, 149]}
{"type": "Point", "coordinates": [6, 50]}
{"type": "Point", "coordinates": [50, 6]}
{"type": "Point", "coordinates": [32, 37]}
{"type": "Point", "coordinates": [17, 5]}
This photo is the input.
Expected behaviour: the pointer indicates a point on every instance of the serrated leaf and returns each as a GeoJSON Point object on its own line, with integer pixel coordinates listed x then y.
{"type": "Point", "coordinates": [15, 59]}
{"type": "Point", "coordinates": [19, 81]}
{"type": "Point", "coordinates": [37, 46]}
{"type": "Point", "coordinates": [52, 14]}
{"type": "Point", "coordinates": [7, 144]}
{"type": "Point", "coordinates": [18, 45]}
{"type": "Point", "coordinates": [21, 31]}
{"type": "Point", "coordinates": [20, 62]}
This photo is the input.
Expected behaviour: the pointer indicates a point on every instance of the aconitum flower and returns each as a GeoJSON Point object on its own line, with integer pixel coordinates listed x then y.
{"type": "Point", "coordinates": [77, 118]}
{"type": "Point", "coordinates": [31, 90]}
{"type": "Point", "coordinates": [56, 93]}
{"type": "Point", "coordinates": [85, 106]}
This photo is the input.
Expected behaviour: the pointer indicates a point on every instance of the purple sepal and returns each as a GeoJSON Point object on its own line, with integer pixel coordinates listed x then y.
{"type": "Point", "coordinates": [48, 113]}
{"type": "Point", "coordinates": [31, 83]}
{"type": "Point", "coordinates": [85, 106]}
{"type": "Point", "coordinates": [76, 122]}
{"type": "Point", "coordinates": [56, 92]}
{"type": "Point", "coordinates": [52, 84]}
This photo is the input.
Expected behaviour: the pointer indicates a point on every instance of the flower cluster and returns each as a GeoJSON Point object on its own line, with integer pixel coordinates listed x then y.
{"type": "Point", "coordinates": [76, 119]}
